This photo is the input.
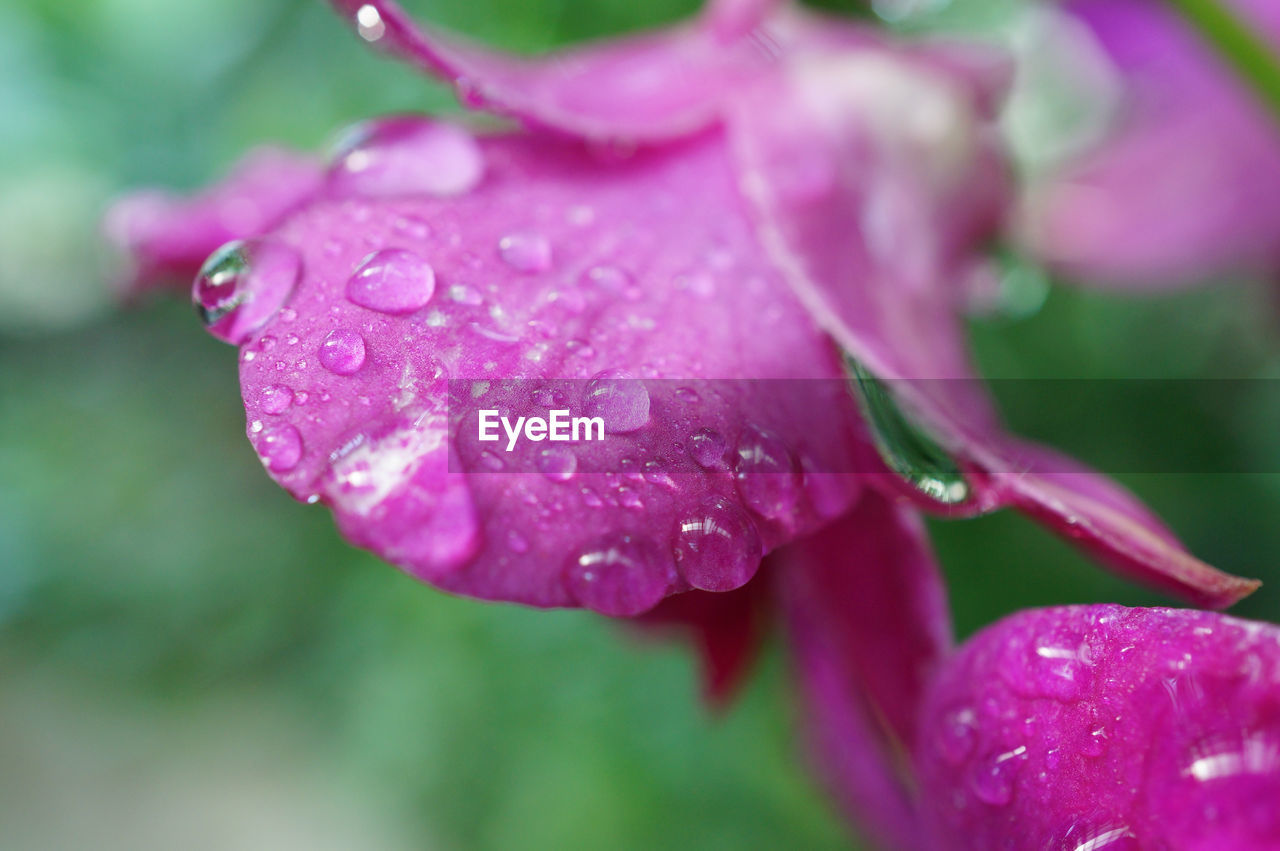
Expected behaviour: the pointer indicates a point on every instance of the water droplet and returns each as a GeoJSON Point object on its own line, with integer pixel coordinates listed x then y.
{"type": "Point", "coordinates": [611, 279]}
{"type": "Point", "coordinates": [279, 447]}
{"type": "Point", "coordinates": [905, 449]}
{"type": "Point", "coordinates": [957, 734]}
{"type": "Point", "coordinates": [717, 547]}
{"type": "Point", "coordinates": [465, 294]}
{"type": "Point", "coordinates": [621, 575]}
{"type": "Point", "coordinates": [342, 352]}
{"type": "Point", "coordinates": [275, 399]}
{"type": "Point", "coordinates": [242, 285]}
{"type": "Point", "coordinates": [766, 475]}
{"type": "Point", "coordinates": [620, 398]}
{"type": "Point", "coordinates": [992, 778]}
{"type": "Point", "coordinates": [516, 542]}
{"type": "Point", "coordinates": [404, 155]}
{"type": "Point", "coordinates": [688, 395]}
{"type": "Point", "coordinates": [369, 23]}
{"type": "Point", "coordinates": [525, 252]}
{"type": "Point", "coordinates": [392, 281]}
{"type": "Point", "coordinates": [707, 448]}
{"type": "Point", "coordinates": [557, 463]}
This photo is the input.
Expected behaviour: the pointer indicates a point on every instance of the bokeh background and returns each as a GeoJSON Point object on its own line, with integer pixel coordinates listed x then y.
{"type": "Point", "coordinates": [190, 659]}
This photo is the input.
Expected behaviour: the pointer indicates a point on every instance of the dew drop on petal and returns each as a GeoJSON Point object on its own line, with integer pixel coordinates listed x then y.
{"type": "Point", "coordinates": [279, 447]}
{"type": "Point", "coordinates": [557, 463]}
{"type": "Point", "coordinates": [620, 575]}
{"type": "Point", "coordinates": [991, 779]}
{"type": "Point", "coordinates": [525, 252]}
{"type": "Point", "coordinates": [403, 155]}
{"type": "Point", "coordinates": [707, 448]}
{"type": "Point", "coordinates": [717, 546]}
{"type": "Point", "coordinates": [243, 285]}
{"type": "Point", "coordinates": [392, 281]}
{"type": "Point", "coordinates": [620, 399]}
{"type": "Point", "coordinates": [275, 399]}
{"type": "Point", "coordinates": [342, 352]}
{"type": "Point", "coordinates": [957, 734]}
{"type": "Point", "coordinates": [766, 476]}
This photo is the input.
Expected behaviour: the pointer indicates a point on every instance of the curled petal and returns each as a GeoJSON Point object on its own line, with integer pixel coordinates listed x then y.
{"type": "Point", "coordinates": [1096, 727]}
{"type": "Point", "coordinates": [867, 616]}
{"type": "Point", "coordinates": [653, 87]}
{"type": "Point", "coordinates": [616, 284]}
{"type": "Point", "coordinates": [168, 237]}
{"type": "Point", "coordinates": [1187, 186]}
{"type": "Point", "coordinates": [872, 243]}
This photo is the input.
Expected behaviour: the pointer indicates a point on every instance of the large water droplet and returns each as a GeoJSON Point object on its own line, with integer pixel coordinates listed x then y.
{"type": "Point", "coordinates": [342, 352]}
{"type": "Point", "coordinates": [405, 155]}
{"type": "Point", "coordinates": [905, 449]}
{"type": "Point", "coordinates": [392, 281]}
{"type": "Point", "coordinates": [620, 398]}
{"type": "Point", "coordinates": [525, 252]}
{"type": "Point", "coordinates": [766, 475]}
{"type": "Point", "coordinates": [279, 447]}
{"type": "Point", "coordinates": [242, 285]}
{"type": "Point", "coordinates": [621, 575]}
{"type": "Point", "coordinates": [957, 734]}
{"type": "Point", "coordinates": [717, 546]}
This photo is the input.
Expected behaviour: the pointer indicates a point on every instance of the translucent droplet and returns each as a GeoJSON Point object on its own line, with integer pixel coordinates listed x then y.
{"type": "Point", "coordinates": [557, 463]}
{"type": "Point", "coordinates": [621, 575]}
{"type": "Point", "coordinates": [516, 542]}
{"type": "Point", "coordinates": [279, 447]}
{"type": "Point", "coordinates": [620, 398]}
{"type": "Point", "coordinates": [392, 281]}
{"type": "Point", "coordinates": [766, 475]}
{"type": "Point", "coordinates": [525, 252]}
{"type": "Point", "coordinates": [611, 279]}
{"type": "Point", "coordinates": [405, 155]}
{"type": "Point", "coordinates": [243, 285]}
{"type": "Point", "coordinates": [275, 399]}
{"type": "Point", "coordinates": [717, 546]}
{"type": "Point", "coordinates": [342, 352]}
{"type": "Point", "coordinates": [369, 23]}
{"type": "Point", "coordinates": [707, 448]}
{"type": "Point", "coordinates": [992, 779]}
{"type": "Point", "coordinates": [957, 734]}
{"type": "Point", "coordinates": [905, 449]}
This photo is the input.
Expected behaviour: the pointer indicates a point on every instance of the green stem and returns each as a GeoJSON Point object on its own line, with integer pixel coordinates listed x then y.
{"type": "Point", "coordinates": [1250, 55]}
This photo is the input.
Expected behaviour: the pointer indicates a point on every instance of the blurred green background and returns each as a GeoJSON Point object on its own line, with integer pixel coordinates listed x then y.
{"type": "Point", "coordinates": [190, 659]}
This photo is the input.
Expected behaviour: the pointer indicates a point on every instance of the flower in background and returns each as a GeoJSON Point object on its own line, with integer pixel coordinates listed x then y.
{"type": "Point", "coordinates": [1186, 185]}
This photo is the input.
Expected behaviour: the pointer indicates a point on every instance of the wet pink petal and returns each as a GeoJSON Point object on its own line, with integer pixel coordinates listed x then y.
{"type": "Point", "coordinates": [1101, 727]}
{"type": "Point", "coordinates": [625, 277]}
{"type": "Point", "coordinates": [646, 88]}
{"type": "Point", "coordinates": [1187, 186]}
{"type": "Point", "coordinates": [868, 623]}
{"type": "Point", "coordinates": [874, 183]}
{"type": "Point", "coordinates": [168, 237]}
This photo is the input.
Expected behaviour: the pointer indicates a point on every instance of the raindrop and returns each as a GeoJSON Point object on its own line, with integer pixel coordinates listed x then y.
{"type": "Point", "coordinates": [766, 475]}
{"type": "Point", "coordinates": [707, 448]}
{"type": "Point", "coordinates": [557, 463]}
{"type": "Point", "coordinates": [992, 778]}
{"type": "Point", "coordinates": [525, 252]}
{"type": "Point", "coordinates": [342, 352]}
{"type": "Point", "coordinates": [243, 285]}
{"type": "Point", "coordinates": [717, 546]}
{"type": "Point", "coordinates": [369, 23]}
{"type": "Point", "coordinates": [392, 281]}
{"type": "Point", "coordinates": [903, 447]}
{"type": "Point", "coordinates": [620, 398]}
{"type": "Point", "coordinates": [275, 399]}
{"type": "Point", "coordinates": [279, 447]}
{"type": "Point", "coordinates": [620, 575]}
{"type": "Point", "coordinates": [405, 155]}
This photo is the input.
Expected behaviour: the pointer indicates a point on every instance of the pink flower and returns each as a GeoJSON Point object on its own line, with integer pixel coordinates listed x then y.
{"type": "Point", "coordinates": [749, 197]}
{"type": "Point", "coordinates": [1076, 728]}
{"type": "Point", "coordinates": [1186, 186]}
